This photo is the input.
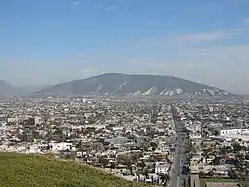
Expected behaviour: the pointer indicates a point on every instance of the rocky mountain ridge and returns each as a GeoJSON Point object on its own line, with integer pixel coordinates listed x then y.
{"type": "Point", "coordinates": [117, 84]}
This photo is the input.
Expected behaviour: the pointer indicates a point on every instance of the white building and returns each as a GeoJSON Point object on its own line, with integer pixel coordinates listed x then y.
{"type": "Point", "coordinates": [216, 125]}
{"type": "Point", "coordinates": [211, 109]}
{"type": "Point", "coordinates": [229, 132]}
{"type": "Point", "coordinates": [194, 136]}
{"type": "Point", "coordinates": [61, 146]}
{"type": "Point", "coordinates": [38, 120]}
{"type": "Point", "coordinates": [12, 120]}
{"type": "Point", "coordinates": [161, 167]}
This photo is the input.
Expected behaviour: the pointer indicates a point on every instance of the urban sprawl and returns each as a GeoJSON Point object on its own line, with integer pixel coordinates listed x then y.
{"type": "Point", "coordinates": [187, 143]}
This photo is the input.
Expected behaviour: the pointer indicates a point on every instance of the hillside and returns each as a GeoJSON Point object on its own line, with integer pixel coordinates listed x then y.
{"type": "Point", "coordinates": [117, 84]}
{"type": "Point", "coordinates": [7, 90]}
{"type": "Point", "coordinates": [17, 170]}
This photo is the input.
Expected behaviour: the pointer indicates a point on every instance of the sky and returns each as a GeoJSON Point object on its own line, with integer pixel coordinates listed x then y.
{"type": "Point", "coordinates": [45, 42]}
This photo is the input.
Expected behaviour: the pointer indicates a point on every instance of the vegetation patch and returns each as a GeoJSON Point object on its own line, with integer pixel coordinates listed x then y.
{"type": "Point", "coordinates": [203, 181]}
{"type": "Point", "coordinates": [19, 170]}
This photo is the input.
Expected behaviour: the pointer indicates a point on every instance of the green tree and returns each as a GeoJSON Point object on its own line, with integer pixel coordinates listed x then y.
{"type": "Point", "coordinates": [211, 173]}
{"type": "Point", "coordinates": [232, 174]}
{"type": "Point", "coordinates": [146, 173]}
{"type": "Point", "coordinates": [202, 174]}
{"type": "Point", "coordinates": [236, 147]}
{"type": "Point", "coordinates": [104, 161]}
{"type": "Point", "coordinates": [153, 145]}
{"type": "Point", "coordinates": [113, 165]}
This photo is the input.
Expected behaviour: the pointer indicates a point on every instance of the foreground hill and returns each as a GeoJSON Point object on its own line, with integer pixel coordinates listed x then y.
{"type": "Point", "coordinates": [17, 170]}
{"type": "Point", "coordinates": [117, 84]}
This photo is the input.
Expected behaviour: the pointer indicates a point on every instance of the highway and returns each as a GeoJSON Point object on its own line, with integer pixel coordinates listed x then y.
{"type": "Point", "coordinates": [180, 157]}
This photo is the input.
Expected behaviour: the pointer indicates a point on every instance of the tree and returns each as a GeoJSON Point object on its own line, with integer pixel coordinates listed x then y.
{"type": "Point", "coordinates": [135, 157]}
{"type": "Point", "coordinates": [162, 178]}
{"type": "Point", "coordinates": [146, 173]}
{"type": "Point", "coordinates": [216, 161]}
{"type": "Point", "coordinates": [113, 165]}
{"type": "Point", "coordinates": [153, 145]}
{"type": "Point", "coordinates": [236, 147]}
{"type": "Point", "coordinates": [216, 133]}
{"type": "Point", "coordinates": [232, 174]}
{"type": "Point", "coordinates": [128, 163]}
{"type": "Point", "coordinates": [223, 150]}
{"type": "Point", "coordinates": [106, 143]}
{"type": "Point", "coordinates": [142, 164]}
{"type": "Point", "coordinates": [91, 129]}
{"type": "Point", "coordinates": [167, 177]}
{"type": "Point", "coordinates": [103, 161]}
{"type": "Point", "coordinates": [202, 174]}
{"type": "Point", "coordinates": [58, 131]}
{"type": "Point", "coordinates": [239, 157]}
{"type": "Point", "coordinates": [211, 173]}
{"type": "Point", "coordinates": [247, 156]}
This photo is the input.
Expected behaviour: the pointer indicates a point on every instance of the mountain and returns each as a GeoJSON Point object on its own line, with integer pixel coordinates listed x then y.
{"type": "Point", "coordinates": [31, 89]}
{"type": "Point", "coordinates": [31, 170]}
{"type": "Point", "coordinates": [7, 90]}
{"type": "Point", "coordinates": [117, 84]}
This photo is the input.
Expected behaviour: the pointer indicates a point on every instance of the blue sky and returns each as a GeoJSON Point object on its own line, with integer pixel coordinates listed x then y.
{"type": "Point", "coordinates": [52, 41]}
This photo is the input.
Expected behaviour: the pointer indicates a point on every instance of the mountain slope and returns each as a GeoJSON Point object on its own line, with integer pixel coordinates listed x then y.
{"type": "Point", "coordinates": [8, 90]}
{"type": "Point", "coordinates": [27, 170]}
{"type": "Point", "coordinates": [31, 89]}
{"type": "Point", "coordinates": [133, 85]}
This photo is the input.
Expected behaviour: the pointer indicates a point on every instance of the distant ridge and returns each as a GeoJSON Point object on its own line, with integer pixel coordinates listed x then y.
{"type": "Point", "coordinates": [7, 90]}
{"type": "Point", "coordinates": [119, 84]}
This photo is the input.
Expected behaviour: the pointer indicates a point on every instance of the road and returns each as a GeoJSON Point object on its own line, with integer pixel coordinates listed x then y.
{"type": "Point", "coordinates": [180, 157]}
{"type": "Point", "coordinates": [194, 180]}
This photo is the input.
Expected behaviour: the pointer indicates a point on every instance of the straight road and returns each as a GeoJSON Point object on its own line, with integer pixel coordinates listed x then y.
{"type": "Point", "coordinates": [176, 177]}
{"type": "Point", "coordinates": [194, 180]}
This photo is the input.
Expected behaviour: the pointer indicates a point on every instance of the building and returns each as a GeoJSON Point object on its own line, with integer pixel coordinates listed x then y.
{"type": "Point", "coordinates": [211, 109]}
{"type": "Point", "coordinates": [161, 167]}
{"type": "Point", "coordinates": [229, 132]}
{"type": "Point", "coordinates": [61, 146]}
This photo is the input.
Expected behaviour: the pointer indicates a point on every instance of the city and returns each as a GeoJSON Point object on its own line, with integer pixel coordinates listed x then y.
{"type": "Point", "coordinates": [124, 93]}
{"type": "Point", "coordinates": [170, 143]}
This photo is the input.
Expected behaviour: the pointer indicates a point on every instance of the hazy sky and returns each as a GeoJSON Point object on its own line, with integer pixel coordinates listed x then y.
{"type": "Point", "coordinates": [52, 41]}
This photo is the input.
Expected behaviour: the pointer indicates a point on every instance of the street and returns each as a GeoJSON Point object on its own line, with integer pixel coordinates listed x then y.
{"type": "Point", "coordinates": [177, 178]}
